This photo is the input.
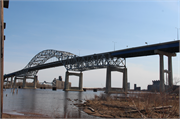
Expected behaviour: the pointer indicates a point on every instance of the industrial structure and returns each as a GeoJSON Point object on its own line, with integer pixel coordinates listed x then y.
{"type": "Point", "coordinates": [136, 88]}
{"type": "Point", "coordinates": [112, 61]}
{"type": "Point", "coordinates": [59, 83]}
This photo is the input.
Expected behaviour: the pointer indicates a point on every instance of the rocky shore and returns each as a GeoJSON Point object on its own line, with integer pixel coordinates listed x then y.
{"type": "Point", "coordinates": [137, 106]}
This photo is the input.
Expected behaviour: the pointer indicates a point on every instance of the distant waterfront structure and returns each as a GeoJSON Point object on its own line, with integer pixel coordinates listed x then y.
{"type": "Point", "coordinates": [134, 86]}
{"type": "Point", "coordinates": [60, 78]}
{"type": "Point", "coordinates": [59, 83]}
{"type": "Point", "coordinates": [137, 88]}
{"type": "Point", "coordinates": [128, 85]}
{"type": "Point", "coordinates": [155, 86]}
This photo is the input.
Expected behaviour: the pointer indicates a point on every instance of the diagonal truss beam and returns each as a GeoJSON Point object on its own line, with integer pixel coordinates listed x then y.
{"type": "Point", "coordinates": [70, 61]}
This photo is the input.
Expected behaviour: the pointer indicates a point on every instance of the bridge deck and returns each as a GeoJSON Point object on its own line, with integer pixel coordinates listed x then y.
{"type": "Point", "coordinates": [171, 47]}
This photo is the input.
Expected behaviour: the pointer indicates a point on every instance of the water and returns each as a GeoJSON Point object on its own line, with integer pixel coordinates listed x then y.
{"type": "Point", "coordinates": [46, 102]}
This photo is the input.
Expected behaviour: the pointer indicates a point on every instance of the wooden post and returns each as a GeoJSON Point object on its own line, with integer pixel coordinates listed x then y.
{"type": "Point", "coordinates": [1, 56]}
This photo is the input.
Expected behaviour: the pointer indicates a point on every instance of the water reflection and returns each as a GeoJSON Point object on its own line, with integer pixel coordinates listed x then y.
{"type": "Point", "coordinates": [65, 104]}
{"type": "Point", "coordinates": [79, 101]}
{"type": "Point", "coordinates": [48, 102]}
{"type": "Point", "coordinates": [28, 103]}
{"type": "Point", "coordinates": [70, 110]}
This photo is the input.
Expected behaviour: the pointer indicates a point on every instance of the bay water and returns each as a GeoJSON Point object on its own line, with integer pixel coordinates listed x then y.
{"type": "Point", "coordinates": [47, 102]}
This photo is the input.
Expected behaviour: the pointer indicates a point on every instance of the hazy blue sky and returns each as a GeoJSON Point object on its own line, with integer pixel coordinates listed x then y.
{"type": "Point", "coordinates": [87, 27]}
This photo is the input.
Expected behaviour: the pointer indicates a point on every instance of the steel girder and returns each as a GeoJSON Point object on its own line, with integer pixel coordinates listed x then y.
{"type": "Point", "coordinates": [95, 61]}
{"type": "Point", "coordinates": [42, 57]}
{"type": "Point", "coordinates": [72, 62]}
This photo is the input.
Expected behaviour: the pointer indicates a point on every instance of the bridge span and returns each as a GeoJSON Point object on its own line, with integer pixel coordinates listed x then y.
{"type": "Point", "coordinates": [113, 61]}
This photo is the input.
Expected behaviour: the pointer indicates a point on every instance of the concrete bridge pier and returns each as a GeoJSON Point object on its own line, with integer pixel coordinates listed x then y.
{"type": "Point", "coordinates": [68, 88]}
{"type": "Point", "coordinates": [14, 82]}
{"type": "Point", "coordinates": [81, 81]}
{"type": "Point", "coordinates": [162, 88]}
{"type": "Point", "coordinates": [15, 78]}
{"type": "Point", "coordinates": [108, 79]}
{"type": "Point", "coordinates": [161, 68]}
{"type": "Point", "coordinates": [24, 78]}
{"type": "Point", "coordinates": [170, 76]}
{"type": "Point", "coordinates": [125, 85]}
{"type": "Point", "coordinates": [35, 81]}
{"type": "Point", "coordinates": [7, 82]}
{"type": "Point", "coordinates": [11, 81]}
{"type": "Point", "coordinates": [35, 78]}
{"type": "Point", "coordinates": [24, 82]}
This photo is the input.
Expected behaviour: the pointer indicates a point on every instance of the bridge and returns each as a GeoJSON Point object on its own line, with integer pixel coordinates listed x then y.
{"type": "Point", "coordinates": [113, 61]}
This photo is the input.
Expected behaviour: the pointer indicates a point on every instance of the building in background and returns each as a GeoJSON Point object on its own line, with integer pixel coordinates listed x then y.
{"type": "Point", "coordinates": [59, 83]}
{"type": "Point", "coordinates": [137, 88]}
{"type": "Point", "coordinates": [155, 86]}
{"type": "Point", "coordinates": [60, 78]}
{"type": "Point", "coordinates": [128, 85]}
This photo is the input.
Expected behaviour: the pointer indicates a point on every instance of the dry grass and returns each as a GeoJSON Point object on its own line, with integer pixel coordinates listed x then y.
{"type": "Point", "coordinates": [141, 105]}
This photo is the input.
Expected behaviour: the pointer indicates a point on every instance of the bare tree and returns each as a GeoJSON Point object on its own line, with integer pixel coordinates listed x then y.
{"type": "Point", "coordinates": [176, 80]}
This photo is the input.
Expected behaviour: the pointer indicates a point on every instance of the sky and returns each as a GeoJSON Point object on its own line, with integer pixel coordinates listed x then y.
{"type": "Point", "coordinates": [85, 27]}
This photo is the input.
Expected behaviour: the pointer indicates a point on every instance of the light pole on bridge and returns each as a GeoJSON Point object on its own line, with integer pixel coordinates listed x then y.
{"type": "Point", "coordinates": [114, 44]}
{"type": "Point", "coordinates": [177, 33]}
{"type": "Point", "coordinates": [79, 52]}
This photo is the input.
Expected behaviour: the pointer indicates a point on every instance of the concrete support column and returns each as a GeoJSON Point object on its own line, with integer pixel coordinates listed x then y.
{"type": "Point", "coordinates": [14, 82]}
{"type": "Point", "coordinates": [35, 81]}
{"type": "Point", "coordinates": [81, 81]}
{"type": "Point", "coordinates": [66, 87]}
{"type": "Point", "coordinates": [108, 80]}
{"type": "Point", "coordinates": [170, 72]}
{"type": "Point", "coordinates": [161, 73]}
{"type": "Point", "coordinates": [125, 80]}
{"type": "Point", "coordinates": [170, 76]}
{"type": "Point", "coordinates": [7, 81]}
{"type": "Point", "coordinates": [11, 81]}
{"type": "Point", "coordinates": [24, 82]}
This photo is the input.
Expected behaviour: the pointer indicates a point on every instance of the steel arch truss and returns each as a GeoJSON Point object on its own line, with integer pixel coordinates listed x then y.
{"type": "Point", "coordinates": [95, 61]}
{"type": "Point", "coordinates": [73, 63]}
{"type": "Point", "coordinates": [45, 55]}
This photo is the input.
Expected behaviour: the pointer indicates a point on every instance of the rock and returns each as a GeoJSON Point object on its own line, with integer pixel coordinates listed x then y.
{"type": "Point", "coordinates": [90, 108]}
{"type": "Point", "coordinates": [68, 99]}
{"type": "Point", "coordinates": [88, 111]}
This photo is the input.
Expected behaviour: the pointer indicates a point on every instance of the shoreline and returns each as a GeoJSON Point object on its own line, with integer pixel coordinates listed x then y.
{"type": "Point", "coordinates": [143, 106]}
{"type": "Point", "coordinates": [24, 115]}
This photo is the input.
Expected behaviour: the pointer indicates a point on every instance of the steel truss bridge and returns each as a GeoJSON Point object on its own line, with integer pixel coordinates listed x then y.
{"type": "Point", "coordinates": [95, 61]}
